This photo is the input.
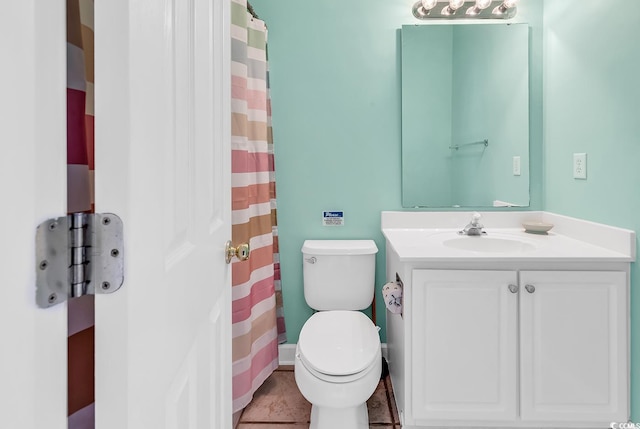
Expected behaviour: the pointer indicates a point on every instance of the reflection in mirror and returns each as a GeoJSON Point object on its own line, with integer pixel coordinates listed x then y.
{"type": "Point", "coordinates": [465, 115]}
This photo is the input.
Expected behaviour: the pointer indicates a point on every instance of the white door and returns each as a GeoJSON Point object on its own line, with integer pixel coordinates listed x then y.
{"type": "Point", "coordinates": [33, 341]}
{"type": "Point", "coordinates": [574, 346]}
{"type": "Point", "coordinates": [163, 341]}
{"type": "Point", "coordinates": [464, 334]}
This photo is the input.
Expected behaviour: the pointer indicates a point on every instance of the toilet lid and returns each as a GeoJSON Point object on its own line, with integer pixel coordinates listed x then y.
{"type": "Point", "coordinates": [338, 342]}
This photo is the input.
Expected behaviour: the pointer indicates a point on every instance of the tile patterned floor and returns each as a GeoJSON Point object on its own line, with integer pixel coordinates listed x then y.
{"type": "Point", "coordinates": [279, 404]}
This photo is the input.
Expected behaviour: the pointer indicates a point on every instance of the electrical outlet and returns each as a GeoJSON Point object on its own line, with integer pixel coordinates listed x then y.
{"type": "Point", "coordinates": [579, 165]}
{"type": "Point", "coordinates": [516, 165]}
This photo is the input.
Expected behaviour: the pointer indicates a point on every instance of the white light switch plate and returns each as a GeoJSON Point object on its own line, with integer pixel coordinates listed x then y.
{"type": "Point", "coordinates": [579, 165]}
{"type": "Point", "coordinates": [516, 165]}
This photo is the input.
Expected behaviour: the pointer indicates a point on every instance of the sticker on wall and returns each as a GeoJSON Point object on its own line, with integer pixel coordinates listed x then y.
{"type": "Point", "coordinates": [333, 218]}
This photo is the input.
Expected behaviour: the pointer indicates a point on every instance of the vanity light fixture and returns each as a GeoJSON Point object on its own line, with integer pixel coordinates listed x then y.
{"type": "Point", "coordinates": [475, 9]}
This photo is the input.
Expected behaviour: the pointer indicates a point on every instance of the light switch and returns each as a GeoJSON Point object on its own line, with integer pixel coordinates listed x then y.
{"type": "Point", "coordinates": [516, 165]}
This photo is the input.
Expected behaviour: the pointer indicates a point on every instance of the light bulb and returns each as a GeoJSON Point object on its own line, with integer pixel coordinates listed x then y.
{"type": "Point", "coordinates": [479, 6]}
{"type": "Point", "coordinates": [505, 6]}
{"type": "Point", "coordinates": [429, 4]}
{"type": "Point", "coordinates": [455, 4]}
{"type": "Point", "coordinates": [451, 8]}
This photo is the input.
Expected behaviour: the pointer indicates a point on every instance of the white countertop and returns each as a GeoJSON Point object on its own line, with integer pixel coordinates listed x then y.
{"type": "Point", "coordinates": [418, 236]}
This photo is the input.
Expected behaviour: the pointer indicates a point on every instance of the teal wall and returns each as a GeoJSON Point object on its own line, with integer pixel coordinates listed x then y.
{"type": "Point", "coordinates": [335, 87]}
{"type": "Point", "coordinates": [591, 104]}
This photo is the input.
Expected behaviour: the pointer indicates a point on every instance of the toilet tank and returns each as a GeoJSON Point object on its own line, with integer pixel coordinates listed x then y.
{"type": "Point", "coordinates": [339, 274]}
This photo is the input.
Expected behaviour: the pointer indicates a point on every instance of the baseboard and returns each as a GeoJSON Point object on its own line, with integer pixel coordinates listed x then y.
{"type": "Point", "coordinates": [287, 353]}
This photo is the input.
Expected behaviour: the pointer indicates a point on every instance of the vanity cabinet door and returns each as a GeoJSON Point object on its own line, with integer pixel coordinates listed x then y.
{"type": "Point", "coordinates": [574, 346]}
{"type": "Point", "coordinates": [464, 333]}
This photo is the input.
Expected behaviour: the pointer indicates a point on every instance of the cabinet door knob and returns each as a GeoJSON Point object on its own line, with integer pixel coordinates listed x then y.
{"type": "Point", "coordinates": [530, 288]}
{"type": "Point", "coordinates": [513, 288]}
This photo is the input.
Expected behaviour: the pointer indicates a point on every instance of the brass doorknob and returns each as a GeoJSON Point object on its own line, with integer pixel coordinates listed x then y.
{"type": "Point", "coordinates": [241, 251]}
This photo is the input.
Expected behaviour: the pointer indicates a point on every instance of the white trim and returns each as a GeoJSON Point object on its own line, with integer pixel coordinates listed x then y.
{"type": "Point", "coordinates": [287, 353]}
{"type": "Point", "coordinates": [32, 178]}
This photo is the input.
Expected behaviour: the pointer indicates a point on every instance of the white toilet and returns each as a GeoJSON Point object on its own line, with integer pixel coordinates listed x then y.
{"type": "Point", "coordinates": [338, 359]}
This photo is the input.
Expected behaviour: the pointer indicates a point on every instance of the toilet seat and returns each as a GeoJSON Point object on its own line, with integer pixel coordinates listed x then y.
{"type": "Point", "coordinates": [338, 346]}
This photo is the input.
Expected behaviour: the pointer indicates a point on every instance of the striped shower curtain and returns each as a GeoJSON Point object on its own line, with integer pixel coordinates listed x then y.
{"type": "Point", "coordinates": [258, 323]}
{"type": "Point", "coordinates": [80, 118]}
{"type": "Point", "coordinates": [80, 166]}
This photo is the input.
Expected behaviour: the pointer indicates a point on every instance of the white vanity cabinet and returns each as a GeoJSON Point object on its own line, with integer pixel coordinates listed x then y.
{"type": "Point", "coordinates": [492, 346]}
{"type": "Point", "coordinates": [508, 329]}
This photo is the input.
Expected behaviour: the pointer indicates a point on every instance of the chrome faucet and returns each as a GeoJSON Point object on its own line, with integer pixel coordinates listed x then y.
{"type": "Point", "coordinates": [474, 227]}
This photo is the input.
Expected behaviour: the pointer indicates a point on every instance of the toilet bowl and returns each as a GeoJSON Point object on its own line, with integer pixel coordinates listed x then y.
{"type": "Point", "coordinates": [337, 368]}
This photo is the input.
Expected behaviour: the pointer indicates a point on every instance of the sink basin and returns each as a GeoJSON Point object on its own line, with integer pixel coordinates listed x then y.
{"type": "Point", "coordinates": [489, 244]}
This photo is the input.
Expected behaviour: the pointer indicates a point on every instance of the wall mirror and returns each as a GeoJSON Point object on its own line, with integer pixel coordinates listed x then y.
{"type": "Point", "coordinates": [465, 115]}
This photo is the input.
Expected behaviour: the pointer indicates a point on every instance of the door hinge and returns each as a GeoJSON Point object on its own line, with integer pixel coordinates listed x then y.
{"type": "Point", "coordinates": [79, 254]}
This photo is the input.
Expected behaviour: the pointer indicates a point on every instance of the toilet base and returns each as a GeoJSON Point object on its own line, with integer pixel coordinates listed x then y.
{"type": "Point", "coordinates": [343, 418]}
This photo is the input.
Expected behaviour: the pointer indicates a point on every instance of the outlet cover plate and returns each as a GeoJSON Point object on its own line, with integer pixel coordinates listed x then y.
{"type": "Point", "coordinates": [579, 165]}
